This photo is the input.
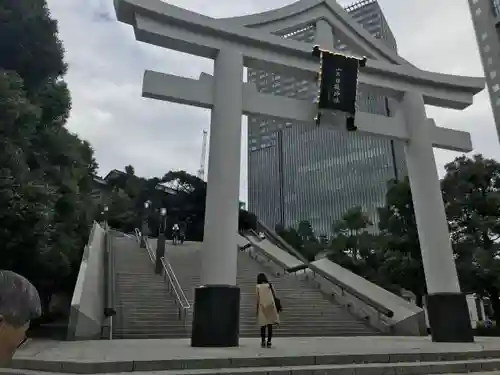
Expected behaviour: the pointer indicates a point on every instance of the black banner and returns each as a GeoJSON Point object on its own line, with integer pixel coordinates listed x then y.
{"type": "Point", "coordinates": [339, 81]}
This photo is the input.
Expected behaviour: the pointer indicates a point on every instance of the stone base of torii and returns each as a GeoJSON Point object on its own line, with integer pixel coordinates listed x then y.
{"type": "Point", "coordinates": [216, 308]}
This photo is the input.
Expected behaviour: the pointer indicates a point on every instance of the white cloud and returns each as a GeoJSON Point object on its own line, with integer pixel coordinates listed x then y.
{"type": "Point", "coordinates": [106, 65]}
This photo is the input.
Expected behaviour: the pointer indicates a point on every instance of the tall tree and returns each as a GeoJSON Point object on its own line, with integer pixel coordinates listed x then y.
{"type": "Point", "coordinates": [302, 239]}
{"type": "Point", "coordinates": [402, 259]}
{"type": "Point", "coordinates": [351, 232]}
{"type": "Point", "coordinates": [306, 231]}
{"type": "Point", "coordinates": [46, 172]}
{"type": "Point", "coordinates": [29, 43]}
{"type": "Point", "coordinates": [292, 237]}
{"type": "Point", "coordinates": [471, 191]}
{"type": "Point", "coordinates": [188, 205]}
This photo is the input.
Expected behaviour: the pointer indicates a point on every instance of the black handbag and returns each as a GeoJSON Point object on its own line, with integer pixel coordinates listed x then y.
{"type": "Point", "coordinates": [277, 301]}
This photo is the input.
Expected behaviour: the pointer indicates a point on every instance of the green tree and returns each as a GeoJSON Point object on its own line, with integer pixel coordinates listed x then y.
{"type": "Point", "coordinates": [291, 236]}
{"type": "Point", "coordinates": [246, 221]}
{"type": "Point", "coordinates": [351, 233]}
{"type": "Point", "coordinates": [306, 232]}
{"type": "Point", "coordinates": [122, 214]}
{"type": "Point", "coordinates": [302, 239]}
{"type": "Point", "coordinates": [46, 172]}
{"type": "Point", "coordinates": [29, 43]}
{"type": "Point", "coordinates": [471, 191]}
{"type": "Point", "coordinates": [400, 246]}
{"type": "Point", "coordinates": [188, 204]}
{"type": "Point", "coordinates": [352, 245]}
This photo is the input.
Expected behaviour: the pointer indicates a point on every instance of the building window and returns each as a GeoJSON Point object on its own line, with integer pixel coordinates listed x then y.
{"type": "Point", "coordinates": [487, 48]}
{"type": "Point", "coordinates": [496, 87]}
{"type": "Point", "coordinates": [497, 103]}
{"type": "Point", "coordinates": [493, 74]}
{"type": "Point", "coordinates": [484, 36]}
{"type": "Point", "coordinates": [478, 11]}
{"type": "Point", "coordinates": [490, 60]}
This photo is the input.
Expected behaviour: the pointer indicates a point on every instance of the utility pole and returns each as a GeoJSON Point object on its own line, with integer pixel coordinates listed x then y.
{"type": "Point", "coordinates": [201, 171]}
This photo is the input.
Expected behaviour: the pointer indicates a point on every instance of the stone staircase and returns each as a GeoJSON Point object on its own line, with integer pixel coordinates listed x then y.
{"type": "Point", "coordinates": [144, 307]}
{"type": "Point", "coordinates": [307, 312]}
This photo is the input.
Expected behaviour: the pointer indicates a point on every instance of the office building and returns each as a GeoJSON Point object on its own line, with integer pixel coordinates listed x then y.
{"type": "Point", "coordinates": [302, 172]}
{"type": "Point", "coordinates": [486, 20]}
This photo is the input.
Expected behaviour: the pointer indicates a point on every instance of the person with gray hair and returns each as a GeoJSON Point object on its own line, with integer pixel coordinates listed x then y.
{"type": "Point", "coordinates": [19, 304]}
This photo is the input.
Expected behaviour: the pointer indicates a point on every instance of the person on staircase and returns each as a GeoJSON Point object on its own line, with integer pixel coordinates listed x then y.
{"type": "Point", "coordinates": [182, 232]}
{"type": "Point", "coordinates": [267, 311]}
{"type": "Point", "coordinates": [175, 233]}
{"type": "Point", "coordinates": [19, 304]}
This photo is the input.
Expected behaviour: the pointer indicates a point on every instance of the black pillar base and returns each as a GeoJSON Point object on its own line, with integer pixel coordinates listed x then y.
{"type": "Point", "coordinates": [216, 316]}
{"type": "Point", "coordinates": [449, 318]}
{"type": "Point", "coordinates": [160, 253]}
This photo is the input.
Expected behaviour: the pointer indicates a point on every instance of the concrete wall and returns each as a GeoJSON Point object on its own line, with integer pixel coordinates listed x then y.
{"type": "Point", "coordinates": [408, 319]}
{"type": "Point", "coordinates": [282, 258]}
{"type": "Point", "coordinates": [87, 304]}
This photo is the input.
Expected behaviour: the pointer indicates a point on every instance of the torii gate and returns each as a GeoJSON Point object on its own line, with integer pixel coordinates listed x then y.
{"type": "Point", "coordinates": [233, 46]}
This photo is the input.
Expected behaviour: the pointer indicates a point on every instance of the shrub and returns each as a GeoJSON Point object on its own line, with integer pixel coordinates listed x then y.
{"type": "Point", "coordinates": [247, 221]}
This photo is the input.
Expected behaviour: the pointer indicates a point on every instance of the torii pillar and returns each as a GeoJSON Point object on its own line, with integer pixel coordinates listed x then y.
{"type": "Point", "coordinates": [447, 308]}
{"type": "Point", "coordinates": [217, 303]}
{"type": "Point", "coordinates": [216, 309]}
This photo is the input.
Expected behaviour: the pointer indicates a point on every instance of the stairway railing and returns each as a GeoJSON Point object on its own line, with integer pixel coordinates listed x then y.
{"type": "Point", "coordinates": [173, 284]}
{"type": "Point", "coordinates": [182, 300]}
{"type": "Point", "coordinates": [109, 309]}
{"type": "Point", "coordinates": [316, 273]}
{"type": "Point", "coordinates": [138, 235]}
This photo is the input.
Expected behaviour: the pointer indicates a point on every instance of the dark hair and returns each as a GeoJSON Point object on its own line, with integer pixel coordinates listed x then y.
{"type": "Point", "coordinates": [262, 279]}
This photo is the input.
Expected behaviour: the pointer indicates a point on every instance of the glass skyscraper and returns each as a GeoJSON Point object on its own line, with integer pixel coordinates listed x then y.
{"type": "Point", "coordinates": [486, 20]}
{"type": "Point", "coordinates": [303, 172]}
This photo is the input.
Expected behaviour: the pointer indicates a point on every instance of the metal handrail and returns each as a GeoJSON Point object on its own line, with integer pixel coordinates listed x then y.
{"type": "Point", "coordinates": [151, 253]}
{"type": "Point", "coordinates": [181, 296]}
{"type": "Point", "coordinates": [138, 235]}
{"type": "Point", "coordinates": [173, 283]}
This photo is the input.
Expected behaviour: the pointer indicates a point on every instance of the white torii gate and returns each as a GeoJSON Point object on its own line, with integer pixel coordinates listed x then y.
{"type": "Point", "coordinates": [247, 41]}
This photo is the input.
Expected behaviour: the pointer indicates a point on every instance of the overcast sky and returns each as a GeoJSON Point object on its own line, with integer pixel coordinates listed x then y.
{"type": "Point", "coordinates": [106, 66]}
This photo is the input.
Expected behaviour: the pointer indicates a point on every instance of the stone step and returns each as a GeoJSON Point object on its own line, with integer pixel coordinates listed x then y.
{"type": "Point", "coordinates": [153, 293]}
{"type": "Point", "coordinates": [244, 334]}
{"type": "Point", "coordinates": [170, 311]}
{"type": "Point", "coordinates": [267, 370]}
{"type": "Point", "coordinates": [162, 323]}
{"type": "Point", "coordinates": [270, 363]}
{"type": "Point", "coordinates": [142, 304]}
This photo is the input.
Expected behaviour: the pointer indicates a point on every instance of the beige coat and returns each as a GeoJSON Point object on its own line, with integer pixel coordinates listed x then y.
{"type": "Point", "coordinates": [266, 308]}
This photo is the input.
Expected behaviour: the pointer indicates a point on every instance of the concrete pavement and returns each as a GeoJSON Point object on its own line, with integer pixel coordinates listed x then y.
{"type": "Point", "coordinates": [156, 355]}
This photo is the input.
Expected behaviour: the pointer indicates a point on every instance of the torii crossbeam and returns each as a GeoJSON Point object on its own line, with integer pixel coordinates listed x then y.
{"type": "Point", "coordinates": [232, 47]}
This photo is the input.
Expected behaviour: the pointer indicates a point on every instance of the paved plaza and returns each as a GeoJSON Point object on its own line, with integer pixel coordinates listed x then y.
{"type": "Point", "coordinates": [130, 355]}
{"type": "Point", "coordinates": [131, 350]}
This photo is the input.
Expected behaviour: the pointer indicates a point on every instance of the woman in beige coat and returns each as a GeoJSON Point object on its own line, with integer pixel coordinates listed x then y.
{"type": "Point", "coordinates": [267, 313]}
